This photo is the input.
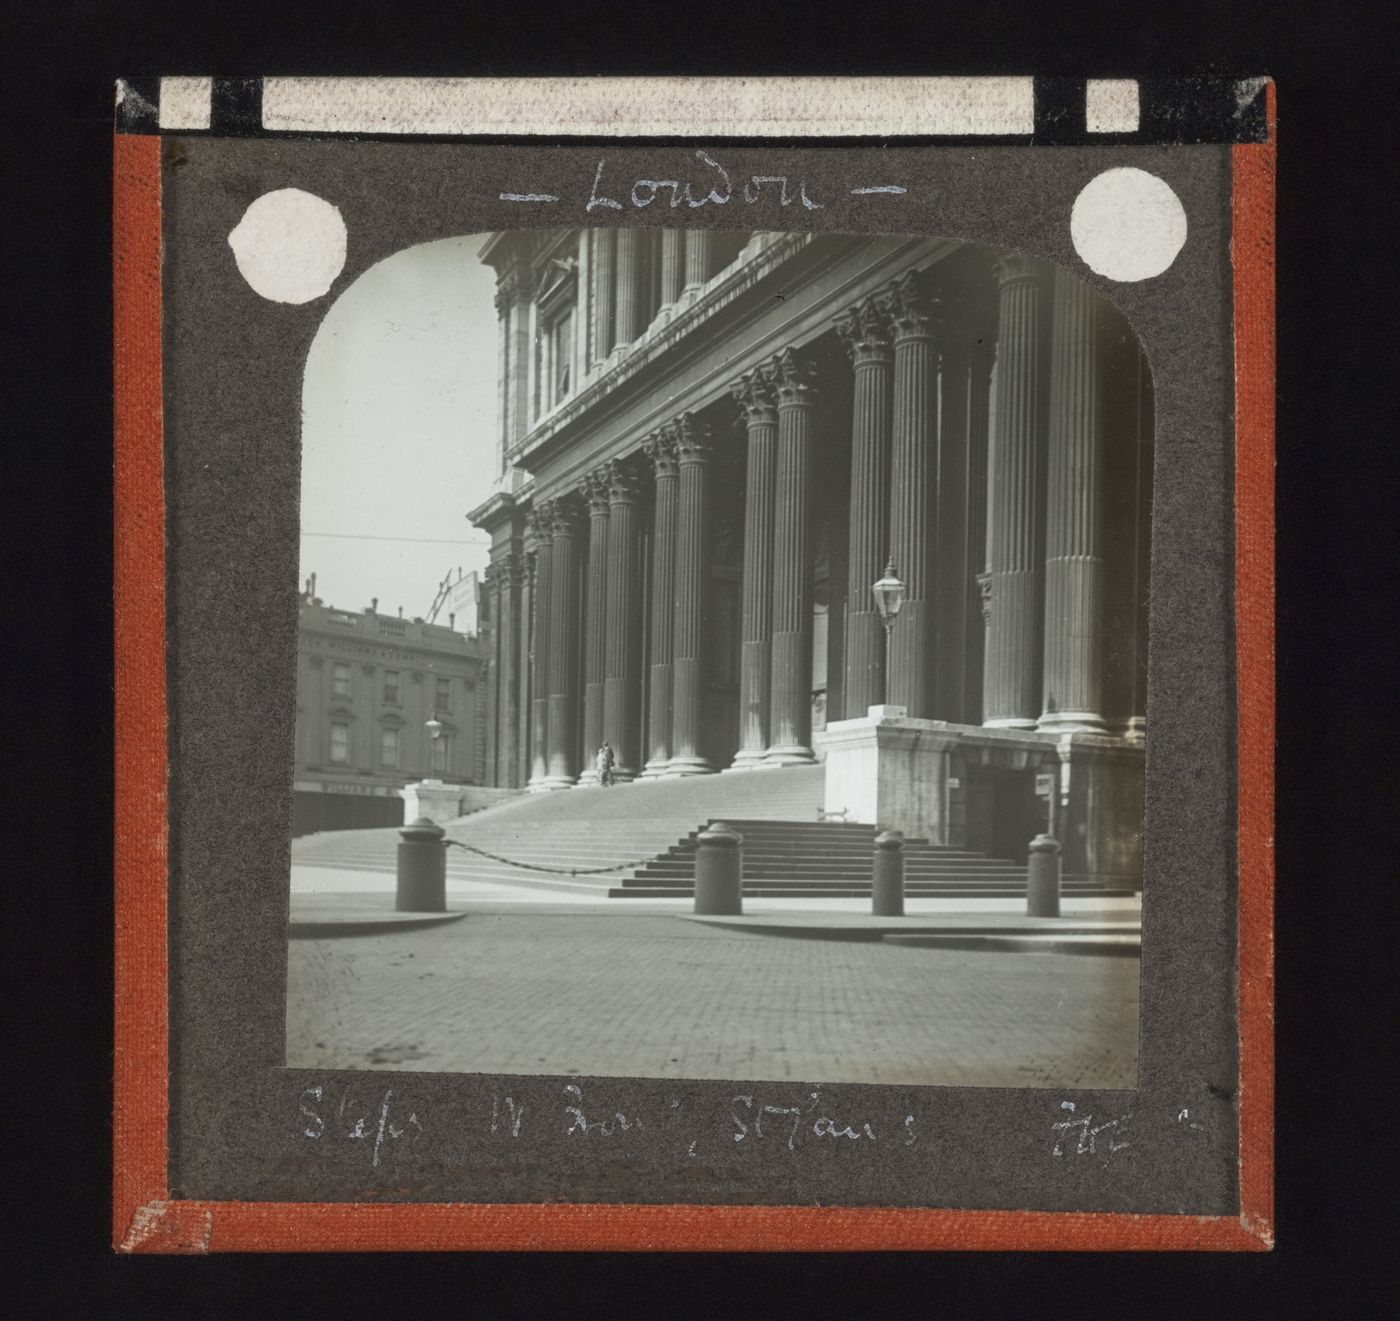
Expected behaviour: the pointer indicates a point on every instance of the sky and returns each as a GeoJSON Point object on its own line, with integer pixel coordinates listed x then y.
{"type": "Point", "coordinates": [399, 429]}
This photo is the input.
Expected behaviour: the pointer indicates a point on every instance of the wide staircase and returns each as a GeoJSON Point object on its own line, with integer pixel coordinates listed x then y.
{"type": "Point", "coordinates": [827, 859]}
{"type": "Point", "coordinates": [605, 834]}
{"type": "Point", "coordinates": [637, 841]}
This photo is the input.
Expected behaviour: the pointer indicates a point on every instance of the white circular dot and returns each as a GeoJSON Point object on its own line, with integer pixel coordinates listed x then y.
{"type": "Point", "coordinates": [1127, 224]}
{"type": "Point", "coordinates": [290, 245]}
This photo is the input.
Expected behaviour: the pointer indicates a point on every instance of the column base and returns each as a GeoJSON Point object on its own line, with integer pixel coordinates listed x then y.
{"type": "Point", "coordinates": [1134, 729]}
{"type": "Point", "coordinates": [654, 769]}
{"type": "Point", "coordinates": [552, 782]}
{"type": "Point", "coordinates": [747, 759]}
{"type": "Point", "coordinates": [587, 778]}
{"type": "Point", "coordinates": [792, 754]}
{"type": "Point", "coordinates": [679, 766]}
{"type": "Point", "coordinates": [1072, 722]}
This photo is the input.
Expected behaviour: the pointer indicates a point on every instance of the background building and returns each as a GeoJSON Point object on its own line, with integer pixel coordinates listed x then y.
{"type": "Point", "coordinates": [711, 444]}
{"type": "Point", "coordinates": [366, 686]}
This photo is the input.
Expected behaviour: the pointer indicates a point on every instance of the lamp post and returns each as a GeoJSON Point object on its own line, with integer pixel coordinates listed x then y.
{"type": "Point", "coordinates": [889, 597]}
{"type": "Point", "coordinates": [434, 728]}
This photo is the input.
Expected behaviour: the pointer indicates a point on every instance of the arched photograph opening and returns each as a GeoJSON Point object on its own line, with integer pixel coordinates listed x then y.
{"type": "Point", "coordinates": [773, 672]}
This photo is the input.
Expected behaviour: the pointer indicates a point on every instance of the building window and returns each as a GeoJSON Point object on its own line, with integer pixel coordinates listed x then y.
{"type": "Point", "coordinates": [561, 354]}
{"type": "Point", "coordinates": [558, 321]}
{"type": "Point", "coordinates": [391, 687]}
{"type": "Point", "coordinates": [340, 742]}
{"type": "Point", "coordinates": [444, 696]}
{"type": "Point", "coordinates": [440, 752]}
{"type": "Point", "coordinates": [389, 747]}
{"type": "Point", "coordinates": [340, 680]}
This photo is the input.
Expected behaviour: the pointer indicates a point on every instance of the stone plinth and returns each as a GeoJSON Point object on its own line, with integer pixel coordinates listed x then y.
{"type": "Point", "coordinates": [433, 799]}
{"type": "Point", "coordinates": [889, 770]}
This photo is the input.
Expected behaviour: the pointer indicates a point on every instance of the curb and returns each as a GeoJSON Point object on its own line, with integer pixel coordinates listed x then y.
{"type": "Point", "coordinates": [322, 928]}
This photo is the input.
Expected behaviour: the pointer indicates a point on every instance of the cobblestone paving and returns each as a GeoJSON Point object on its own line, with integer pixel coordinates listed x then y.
{"type": "Point", "coordinates": [658, 996]}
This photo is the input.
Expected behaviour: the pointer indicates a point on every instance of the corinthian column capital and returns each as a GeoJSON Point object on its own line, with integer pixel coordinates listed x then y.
{"type": "Point", "coordinates": [541, 521]}
{"type": "Point", "coordinates": [865, 331]}
{"type": "Point", "coordinates": [660, 449]}
{"type": "Point", "coordinates": [794, 377]}
{"type": "Point", "coordinates": [1013, 266]}
{"type": "Point", "coordinates": [570, 515]}
{"type": "Point", "coordinates": [593, 489]}
{"type": "Point", "coordinates": [910, 303]}
{"type": "Point", "coordinates": [693, 439]}
{"type": "Point", "coordinates": [622, 481]}
{"type": "Point", "coordinates": [754, 394]}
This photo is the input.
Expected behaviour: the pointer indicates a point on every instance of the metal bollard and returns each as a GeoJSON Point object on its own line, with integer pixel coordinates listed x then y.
{"type": "Point", "coordinates": [719, 871]}
{"type": "Point", "coordinates": [1043, 877]}
{"type": "Point", "coordinates": [422, 868]}
{"type": "Point", "coordinates": [887, 880]}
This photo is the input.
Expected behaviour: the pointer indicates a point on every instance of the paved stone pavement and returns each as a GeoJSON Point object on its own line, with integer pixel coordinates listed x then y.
{"type": "Point", "coordinates": [656, 995]}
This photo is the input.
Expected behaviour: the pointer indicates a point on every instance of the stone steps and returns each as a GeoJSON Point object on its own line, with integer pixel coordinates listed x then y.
{"type": "Point", "coordinates": [653, 825]}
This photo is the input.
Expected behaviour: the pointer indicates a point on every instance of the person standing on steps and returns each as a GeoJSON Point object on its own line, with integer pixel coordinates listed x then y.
{"type": "Point", "coordinates": [604, 763]}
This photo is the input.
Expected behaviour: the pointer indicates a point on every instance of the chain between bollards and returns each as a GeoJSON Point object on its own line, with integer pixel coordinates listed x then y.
{"type": "Point", "coordinates": [552, 871]}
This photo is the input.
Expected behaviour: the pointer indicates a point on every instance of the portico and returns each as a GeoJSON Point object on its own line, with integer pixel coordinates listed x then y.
{"type": "Point", "coordinates": [690, 518]}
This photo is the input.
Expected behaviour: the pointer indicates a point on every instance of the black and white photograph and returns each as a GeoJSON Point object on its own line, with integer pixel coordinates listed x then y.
{"type": "Point", "coordinates": [721, 655]}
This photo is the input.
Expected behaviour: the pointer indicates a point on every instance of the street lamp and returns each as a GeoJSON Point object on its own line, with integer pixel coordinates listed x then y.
{"type": "Point", "coordinates": [889, 597]}
{"type": "Point", "coordinates": [434, 728]}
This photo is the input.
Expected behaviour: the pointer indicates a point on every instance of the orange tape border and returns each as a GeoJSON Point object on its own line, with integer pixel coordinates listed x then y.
{"type": "Point", "coordinates": [146, 1220]}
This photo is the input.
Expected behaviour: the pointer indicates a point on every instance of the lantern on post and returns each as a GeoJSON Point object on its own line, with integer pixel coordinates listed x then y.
{"type": "Point", "coordinates": [889, 597]}
{"type": "Point", "coordinates": [434, 728]}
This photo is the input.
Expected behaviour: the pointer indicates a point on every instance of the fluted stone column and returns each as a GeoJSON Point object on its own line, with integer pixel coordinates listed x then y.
{"type": "Point", "coordinates": [660, 449]}
{"type": "Point", "coordinates": [542, 525]}
{"type": "Point", "coordinates": [672, 264]}
{"type": "Point", "coordinates": [522, 353]}
{"type": "Point", "coordinates": [975, 551]}
{"type": "Point", "coordinates": [563, 642]}
{"type": "Point", "coordinates": [507, 688]}
{"type": "Point", "coordinates": [604, 292]}
{"type": "Point", "coordinates": [865, 330]}
{"type": "Point", "coordinates": [699, 258]}
{"type": "Point", "coordinates": [951, 574]}
{"type": "Point", "coordinates": [913, 453]}
{"type": "Point", "coordinates": [491, 585]}
{"type": "Point", "coordinates": [1015, 502]}
{"type": "Point", "coordinates": [1074, 569]}
{"type": "Point", "coordinates": [790, 710]}
{"type": "Point", "coordinates": [757, 401]}
{"type": "Point", "coordinates": [505, 303]}
{"type": "Point", "coordinates": [524, 662]}
{"type": "Point", "coordinates": [693, 455]}
{"type": "Point", "coordinates": [622, 693]}
{"type": "Point", "coordinates": [594, 490]}
{"type": "Point", "coordinates": [631, 284]}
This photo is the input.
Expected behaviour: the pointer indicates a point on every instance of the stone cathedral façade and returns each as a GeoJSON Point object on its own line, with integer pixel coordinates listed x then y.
{"type": "Point", "coordinates": [712, 444]}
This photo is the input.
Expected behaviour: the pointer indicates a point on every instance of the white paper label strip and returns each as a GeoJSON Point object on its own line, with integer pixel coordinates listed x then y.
{"type": "Point", "coordinates": [1111, 105]}
{"type": "Point", "coordinates": [186, 103]}
{"type": "Point", "coordinates": [652, 107]}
